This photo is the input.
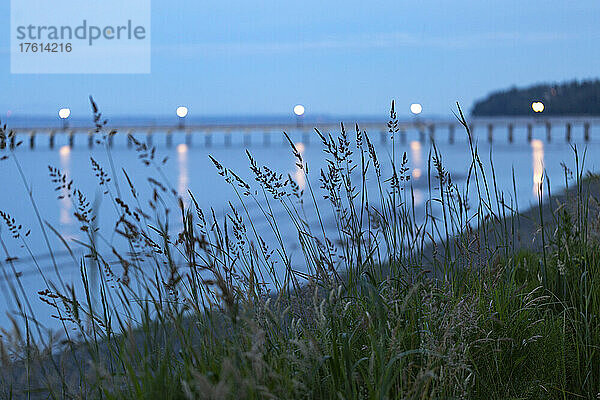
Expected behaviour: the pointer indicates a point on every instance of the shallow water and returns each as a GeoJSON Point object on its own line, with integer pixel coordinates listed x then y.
{"type": "Point", "coordinates": [189, 168]}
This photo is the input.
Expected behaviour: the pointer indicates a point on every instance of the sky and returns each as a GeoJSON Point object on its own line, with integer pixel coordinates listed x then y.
{"type": "Point", "coordinates": [232, 58]}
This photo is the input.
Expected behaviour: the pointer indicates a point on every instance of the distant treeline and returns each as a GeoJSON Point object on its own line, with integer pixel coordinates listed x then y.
{"type": "Point", "coordinates": [572, 98]}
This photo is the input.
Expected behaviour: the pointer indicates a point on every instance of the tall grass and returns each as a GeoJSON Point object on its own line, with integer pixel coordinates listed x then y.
{"type": "Point", "coordinates": [392, 305]}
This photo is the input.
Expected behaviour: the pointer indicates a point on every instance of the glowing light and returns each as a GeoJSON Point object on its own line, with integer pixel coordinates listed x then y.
{"type": "Point", "coordinates": [416, 108]}
{"type": "Point", "coordinates": [64, 151]}
{"type": "Point", "coordinates": [537, 106]}
{"type": "Point", "coordinates": [182, 112]}
{"type": "Point", "coordinates": [299, 110]}
{"type": "Point", "coordinates": [416, 173]}
{"type": "Point", "coordinates": [64, 113]}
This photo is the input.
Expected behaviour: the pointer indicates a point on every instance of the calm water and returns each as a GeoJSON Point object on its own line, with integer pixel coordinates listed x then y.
{"type": "Point", "coordinates": [189, 168]}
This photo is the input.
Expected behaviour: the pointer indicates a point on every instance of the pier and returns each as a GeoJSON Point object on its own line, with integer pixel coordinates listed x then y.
{"type": "Point", "coordinates": [207, 135]}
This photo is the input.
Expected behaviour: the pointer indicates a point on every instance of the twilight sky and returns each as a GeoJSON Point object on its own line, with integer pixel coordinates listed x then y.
{"type": "Point", "coordinates": [336, 57]}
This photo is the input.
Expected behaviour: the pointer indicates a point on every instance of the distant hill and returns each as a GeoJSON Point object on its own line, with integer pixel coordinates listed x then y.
{"type": "Point", "coordinates": [571, 98]}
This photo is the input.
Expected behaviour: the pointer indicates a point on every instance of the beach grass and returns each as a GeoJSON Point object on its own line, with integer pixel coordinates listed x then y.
{"type": "Point", "coordinates": [463, 302]}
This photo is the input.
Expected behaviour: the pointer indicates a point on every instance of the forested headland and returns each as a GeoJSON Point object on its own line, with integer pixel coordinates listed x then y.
{"type": "Point", "coordinates": [571, 98]}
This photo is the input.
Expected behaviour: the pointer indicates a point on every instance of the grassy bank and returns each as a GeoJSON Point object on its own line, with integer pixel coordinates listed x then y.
{"type": "Point", "coordinates": [475, 300]}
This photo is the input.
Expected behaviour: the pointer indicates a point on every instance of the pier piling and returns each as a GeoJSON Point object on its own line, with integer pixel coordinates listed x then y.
{"type": "Point", "coordinates": [586, 132]}
{"type": "Point", "coordinates": [129, 138]}
{"type": "Point", "coordinates": [169, 139]}
{"type": "Point", "coordinates": [32, 140]}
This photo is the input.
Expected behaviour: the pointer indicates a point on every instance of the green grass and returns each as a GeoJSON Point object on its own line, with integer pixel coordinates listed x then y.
{"type": "Point", "coordinates": [388, 308]}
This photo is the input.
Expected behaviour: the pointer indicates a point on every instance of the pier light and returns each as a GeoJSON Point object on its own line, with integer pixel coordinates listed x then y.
{"type": "Point", "coordinates": [182, 112]}
{"type": "Point", "coordinates": [537, 106]}
{"type": "Point", "coordinates": [416, 108]}
{"type": "Point", "coordinates": [299, 110]}
{"type": "Point", "coordinates": [64, 114]}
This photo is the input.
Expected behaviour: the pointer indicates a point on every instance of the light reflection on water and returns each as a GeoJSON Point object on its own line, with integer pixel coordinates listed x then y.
{"type": "Point", "coordinates": [416, 159]}
{"type": "Point", "coordinates": [418, 196]}
{"type": "Point", "coordinates": [299, 175]}
{"type": "Point", "coordinates": [537, 158]}
{"type": "Point", "coordinates": [183, 179]}
{"type": "Point", "coordinates": [65, 213]}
